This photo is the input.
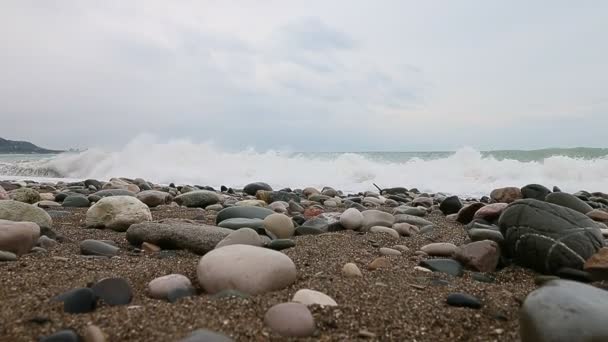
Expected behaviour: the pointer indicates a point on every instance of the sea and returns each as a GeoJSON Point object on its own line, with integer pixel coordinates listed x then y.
{"type": "Point", "coordinates": [464, 172]}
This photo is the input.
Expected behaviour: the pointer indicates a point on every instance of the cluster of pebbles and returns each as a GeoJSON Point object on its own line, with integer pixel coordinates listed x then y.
{"type": "Point", "coordinates": [131, 260]}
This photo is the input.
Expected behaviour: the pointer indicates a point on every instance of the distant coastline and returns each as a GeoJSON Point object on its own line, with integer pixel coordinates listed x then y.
{"type": "Point", "coordinates": [23, 147]}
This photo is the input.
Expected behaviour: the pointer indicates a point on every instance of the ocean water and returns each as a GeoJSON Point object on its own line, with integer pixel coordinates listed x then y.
{"type": "Point", "coordinates": [464, 172]}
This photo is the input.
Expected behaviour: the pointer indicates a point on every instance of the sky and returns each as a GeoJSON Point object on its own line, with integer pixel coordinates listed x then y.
{"type": "Point", "coordinates": [336, 75]}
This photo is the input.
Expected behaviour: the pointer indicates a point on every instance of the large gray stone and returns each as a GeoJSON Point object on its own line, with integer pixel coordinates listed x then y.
{"type": "Point", "coordinates": [413, 220]}
{"type": "Point", "coordinates": [249, 269]}
{"type": "Point", "coordinates": [177, 234]}
{"type": "Point", "coordinates": [23, 212]}
{"type": "Point", "coordinates": [564, 310]}
{"type": "Point", "coordinates": [117, 213]}
{"type": "Point", "coordinates": [198, 198]}
{"type": "Point", "coordinates": [535, 191]}
{"type": "Point", "coordinates": [569, 201]}
{"type": "Point", "coordinates": [242, 212]}
{"type": "Point", "coordinates": [113, 192]}
{"type": "Point", "coordinates": [546, 237]}
{"type": "Point", "coordinates": [25, 195]}
{"type": "Point", "coordinates": [76, 201]}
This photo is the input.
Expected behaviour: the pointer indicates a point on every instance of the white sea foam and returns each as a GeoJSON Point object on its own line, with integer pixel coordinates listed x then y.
{"type": "Point", "coordinates": [466, 172]}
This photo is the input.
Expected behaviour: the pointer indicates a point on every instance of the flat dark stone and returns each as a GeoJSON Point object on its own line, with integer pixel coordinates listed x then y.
{"type": "Point", "coordinates": [463, 300]}
{"type": "Point", "coordinates": [303, 230]}
{"type": "Point", "coordinates": [113, 291]}
{"type": "Point", "coordinates": [280, 244]}
{"type": "Point", "coordinates": [449, 266]}
{"type": "Point", "coordinates": [482, 277]}
{"type": "Point", "coordinates": [574, 274]}
{"type": "Point", "coordinates": [79, 300]}
{"type": "Point", "coordinates": [61, 336]}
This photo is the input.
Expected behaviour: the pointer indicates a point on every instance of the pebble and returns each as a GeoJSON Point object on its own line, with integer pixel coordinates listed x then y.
{"type": "Point", "coordinates": [250, 269]}
{"type": "Point", "coordinates": [96, 247]}
{"type": "Point", "coordinates": [439, 249]}
{"type": "Point", "coordinates": [379, 262]}
{"type": "Point", "coordinates": [113, 291]}
{"type": "Point", "coordinates": [67, 335]}
{"type": "Point", "coordinates": [389, 251]}
{"type": "Point", "coordinates": [281, 244]}
{"type": "Point", "coordinates": [449, 266]}
{"type": "Point", "coordinates": [80, 300]}
{"type": "Point", "coordinates": [312, 297]}
{"type": "Point", "coordinates": [290, 320]}
{"type": "Point", "coordinates": [401, 248]}
{"type": "Point", "coordinates": [422, 269]}
{"type": "Point", "coordinates": [46, 242]}
{"type": "Point", "coordinates": [481, 256]}
{"type": "Point", "coordinates": [117, 213]}
{"type": "Point", "coordinates": [351, 270]}
{"type": "Point", "coordinates": [279, 226]}
{"type": "Point", "coordinates": [405, 229]}
{"type": "Point", "coordinates": [150, 247]}
{"type": "Point", "coordinates": [351, 219]}
{"type": "Point", "coordinates": [463, 300]}
{"type": "Point", "coordinates": [373, 218]}
{"type": "Point", "coordinates": [160, 287]}
{"type": "Point", "coordinates": [384, 230]}
{"type": "Point", "coordinates": [7, 256]}
{"type": "Point", "coordinates": [93, 333]}
{"type": "Point", "coordinates": [243, 236]}
{"type": "Point", "coordinates": [564, 310]}
{"type": "Point", "coordinates": [204, 335]}
{"type": "Point", "coordinates": [18, 237]}
{"type": "Point", "coordinates": [597, 264]}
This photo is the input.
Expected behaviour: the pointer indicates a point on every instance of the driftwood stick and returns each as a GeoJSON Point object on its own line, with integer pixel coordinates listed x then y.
{"type": "Point", "coordinates": [377, 187]}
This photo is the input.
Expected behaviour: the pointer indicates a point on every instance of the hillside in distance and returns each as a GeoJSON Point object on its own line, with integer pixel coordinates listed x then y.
{"type": "Point", "coordinates": [21, 147]}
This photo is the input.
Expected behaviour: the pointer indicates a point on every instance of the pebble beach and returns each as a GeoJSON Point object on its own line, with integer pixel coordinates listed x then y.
{"type": "Point", "coordinates": [129, 260]}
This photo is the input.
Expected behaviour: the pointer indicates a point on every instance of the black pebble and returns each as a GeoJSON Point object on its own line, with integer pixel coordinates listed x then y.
{"type": "Point", "coordinates": [113, 291]}
{"type": "Point", "coordinates": [79, 300]}
{"type": "Point", "coordinates": [61, 336]}
{"type": "Point", "coordinates": [463, 300]}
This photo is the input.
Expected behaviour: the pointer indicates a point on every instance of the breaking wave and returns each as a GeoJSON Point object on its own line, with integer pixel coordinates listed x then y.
{"type": "Point", "coordinates": [464, 172]}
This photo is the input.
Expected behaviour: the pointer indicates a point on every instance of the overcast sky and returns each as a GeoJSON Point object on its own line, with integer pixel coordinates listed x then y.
{"type": "Point", "coordinates": [306, 75]}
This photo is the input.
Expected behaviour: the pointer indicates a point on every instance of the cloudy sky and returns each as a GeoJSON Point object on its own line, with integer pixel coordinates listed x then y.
{"type": "Point", "coordinates": [306, 75]}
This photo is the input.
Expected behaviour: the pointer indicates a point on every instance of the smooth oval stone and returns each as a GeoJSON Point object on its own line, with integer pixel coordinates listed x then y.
{"type": "Point", "coordinates": [280, 244]}
{"type": "Point", "coordinates": [380, 262]}
{"type": "Point", "coordinates": [449, 266]}
{"type": "Point", "coordinates": [351, 219]}
{"type": "Point", "coordinates": [384, 230]}
{"type": "Point", "coordinates": [439, 249]}
{"type": "Point", "coordinates": [96, 247]}
{"type": "Point", "coordinates": [93, 333]}
{"type": "Point", "coordinates": [117, 213]}
{"type": "Point", "coordinates": [7, 256]}
{"type": "Point", "coordinates": [76, 201]}
{"type": "Point", "coordinates": [450, 205]}
{"type": "Point", "coordinates": [252, 188]}
{"type": "Point", "coordinates": [312, 297]}
{"type": "Point", "coordinates": [304, 230]}
{"type": "Point", "coordinates": [238, 223]}
{"type": "Point", "coordinates": [389, 251]}
{"type": "Point", "coordinates": [160, 287]}
{"type": "Point", "coordinates": [574, 274]}
{"type": "Point", "coordinates": [535, 191]}
{"type": "Point", "coordinates": [279, 226]}
{"type": "Point", "coordinates": [480, 234]}
{"type": "Point", "coordinates": [463, 300]}
{"type": "Point", "coordinates": [482, 277]}
{"type": "Point", "coordinates": [243, 236]}
{"type": "Point", "coordinates": [242, 212]}
{"type": "Point", "coordinates": [204, 335]}
{"type": "Point", "coordinates": [249, 269]}
{"type": "Point", "coordinates": [411, 219]}
{"type": "Point", "coordinates": [79, 300]}
{"type": "Point", "coordinates": [373, 218]}
{"type": "Point", "coordinates": [113, 291]}
{"type": "Point", "coordinates": [569, 201]}
{"type": "Point", "coordinates": [197, 198]}
{"type": "Point", "coordinates": [351, 270]}
{"type": "Point", "coordinates": [564, 310]}
{"type": "Point", "coordinates": [290, 320]}
{"type": "Point", "coordinates": [61, 336]}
